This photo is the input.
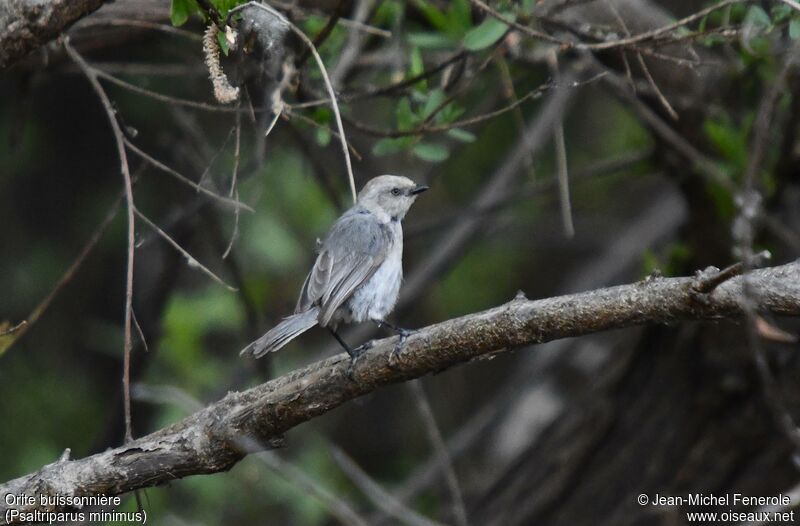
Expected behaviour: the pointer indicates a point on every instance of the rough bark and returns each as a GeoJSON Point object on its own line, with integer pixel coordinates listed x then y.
{"type": "Point", "coordinates": [26, 25]}
{"type": "Point", "coordinates": [217, 437]}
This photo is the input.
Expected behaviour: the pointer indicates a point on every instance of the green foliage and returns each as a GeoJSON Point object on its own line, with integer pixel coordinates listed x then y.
{"type": "Point", "coordinates": [758, 17]}
{"type": "Point", "coordinates": [190, 318]}
{"type": "Point", "coordinates": [433, 153]}
{"type": "Point", "coordinates": [794, 29]}
{"type": "Point", "coordinates": [181, 10]}
{"type": "Point", "coordinates": [454, 28]}
{"type": "Point", "coordinates": [323, 116]}
{"type": "Point", "coordinates": [461, 135]}
{"type": "Point", "coordinates": [489, 272]}
{"type": "Point", "coordinates": [486, 34]}
{"type": "Point", "coordinates": [391, 145]}
{"type": "Point", "coordinates": [730, 141]}
{"type": "Point", "coordinates": [673, 263]}
{"type": "Point", "coordinates": [223, 42]}
{"type": "Point", "coordinates": [416, 111]}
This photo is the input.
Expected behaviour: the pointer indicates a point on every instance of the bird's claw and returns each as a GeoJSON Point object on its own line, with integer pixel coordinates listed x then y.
{"type": "Point", "coordinates": [355, 354]}
{"type": "Point", "coordinates": [398, 348]}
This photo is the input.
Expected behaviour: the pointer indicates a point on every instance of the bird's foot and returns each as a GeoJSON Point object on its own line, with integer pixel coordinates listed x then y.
{"type": "Point", "coordinates": [398, 348]}
{"type": "Point", "coordinates": [355, 354]}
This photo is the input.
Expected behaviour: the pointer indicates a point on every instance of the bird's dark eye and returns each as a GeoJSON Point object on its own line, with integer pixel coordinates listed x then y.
{"type": "Point", "coordinates": [395, 191]}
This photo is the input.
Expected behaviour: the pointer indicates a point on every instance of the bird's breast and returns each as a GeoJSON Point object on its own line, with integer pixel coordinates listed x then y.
{"type": "Point", "coordinates": [376, 298]}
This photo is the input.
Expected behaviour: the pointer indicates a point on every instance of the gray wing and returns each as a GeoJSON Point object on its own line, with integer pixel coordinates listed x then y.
{"type": "Point", "coordinates": [355, 247]}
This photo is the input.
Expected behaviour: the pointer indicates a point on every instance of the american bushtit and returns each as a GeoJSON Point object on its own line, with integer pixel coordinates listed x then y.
{"type": "Point", "coordinates": [358, 270]}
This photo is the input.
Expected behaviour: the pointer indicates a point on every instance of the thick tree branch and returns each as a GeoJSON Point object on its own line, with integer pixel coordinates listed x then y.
{"type": "Point", "coordinates": [28, 24]}
{"type": "Point", "coordinates": [217, 437]}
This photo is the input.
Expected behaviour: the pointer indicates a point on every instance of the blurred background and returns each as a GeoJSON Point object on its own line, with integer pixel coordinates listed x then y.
{"type": "Point", "coordinates": [652, 142]}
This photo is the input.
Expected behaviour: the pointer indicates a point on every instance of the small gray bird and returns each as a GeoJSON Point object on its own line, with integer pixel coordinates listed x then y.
{"type": "Point", "coordinates": [358, 270]}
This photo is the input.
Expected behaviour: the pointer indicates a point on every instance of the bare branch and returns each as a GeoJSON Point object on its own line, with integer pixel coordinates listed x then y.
{"type": "Point", "coordinates": [234, 203]}
{"type": "Point", "coordinates": [189, 258]}
{"type": "Point", "coordinates": [435, 437]}
{"type": "Point", "coordinates": [655, 33]}
{"type": "Point", "coordinates": [28, 24]}
{"type": "Point", "coordinates": [25, 325]}
{"type": "Point", "coordinates": [379, 496]}
{"type": "Point", "coordinates": [119, 137]}
{"type": "Point", "coordinates": [207, 441]}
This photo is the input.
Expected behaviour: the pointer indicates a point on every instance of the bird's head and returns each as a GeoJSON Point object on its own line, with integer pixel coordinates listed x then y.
{"type": "Point", "coordinates": [390, 195]}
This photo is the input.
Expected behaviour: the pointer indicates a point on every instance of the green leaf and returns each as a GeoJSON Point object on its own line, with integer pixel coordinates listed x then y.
{"type": "Point", "coordinates": [406, 119]}
{"type": "Point", "coordinates": [388, 12]}
{"type": "Point", "coordinates": [461, 135]}
{"type": "Point", "coordinates": [430, 40]}
{"type": "Point", "coordinates": [450, 113]}
{"type": "Point", "coordinates": [389, 146]}
{"type": "Point", "coordinates": [487, 33]}
{"type": "Point", "coordinates": [323, 136]}
{"type": "Point", "coordinates": [181, 10]}
{"type": "Point", "coordinates": [223, 43]}
{"type": "Point", "coordinates": [460, 16]}
{"type": "Point", "coordinates": [757, 17]}
{"type": "Point", "coordinates": [416, 67]}
{"type": "Point", "coordinates": [433, 153]}
{"type": "Point", "coordinates": [434, 15]}
{"type": "Point", "coordinates": [730, 141]}
{"type": "Point", "coordinates": [434, 100]}
{"type": "Point", "coordinates": [780, 13]}
{"type": "Point", "coordinates": [794, 29]}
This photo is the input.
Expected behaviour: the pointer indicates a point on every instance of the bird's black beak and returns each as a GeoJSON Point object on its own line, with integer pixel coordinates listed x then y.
{"type": "Point", "coordinates": [418, 189]}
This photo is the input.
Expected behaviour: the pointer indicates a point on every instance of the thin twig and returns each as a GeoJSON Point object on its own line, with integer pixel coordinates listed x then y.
{"type": "Point", "coordinates": [470, 121]}
{"type": "Point", "coordinates": [160, 96]}
{"type": "Point", "coordinates": [189, 258]}
{"type": "Point", "coordinates": [710, 279]}
{"type": "Point", "coordinates": [336, 505]}
{"type": "Point", "coordinates": [650, 35]}
{"type": "Point", "coordinates": [326, 79]}
{"type": "Point", "coordinates": [512, 23]}
{"type": "Point", "coordinates": [353, 25]}
{"type": "Point", "coordinates": [235, 203]}
{"type": "Point", "coordinates": [352, 48]}
{"type": "Point", "coordinates": [324, 33]}
{"type": "Point", "coordinates": [143, 24]}
{"type": "Point", "coordinates": [166, 394]}
{"type": "Point", "coordinates": [381, 498]}
{"type": "Point", "coordinates": [435, 436]}
{"type": "Point", "coordinates": [422, 130]}
{"type": "Point", "coordinates": [388, 90]}
{"type": "Point", "coordinates": [139, 331]}
{"type": "Point", "coordinates": [25, 325]}
{"type": "Point", "coordinates": [792, 3]}
{"type": "Point", "coordinates": [233, 191]}
{"type": "Point", "coordinates": [119, 137]}
{"type": "Point", "coordinates": [661, 98]}
{"type": "Point", "coordinates": [519, 118]}
{"type": "Point", "coordinates": [311, 122]}
{"type": "Point", "coordinates": [642, 64]}
{"type": "Point", "coordinates": [561, 160]}
{"type": "Point", "coordinates": [213, 159]}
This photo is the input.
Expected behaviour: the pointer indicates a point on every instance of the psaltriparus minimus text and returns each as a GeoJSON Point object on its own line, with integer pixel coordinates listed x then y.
{"type": "Point", "coordinates": [358, 270]}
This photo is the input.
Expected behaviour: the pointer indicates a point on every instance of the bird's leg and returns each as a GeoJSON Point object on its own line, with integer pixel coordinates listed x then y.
{"type": "Point", "coordinates": [403, 333]}
{"type": "Point", "coordinates": [354, 353]}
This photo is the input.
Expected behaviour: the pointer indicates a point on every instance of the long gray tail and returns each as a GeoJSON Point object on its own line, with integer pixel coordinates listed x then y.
{"type": "Point", "coordinates": [286, 331]}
